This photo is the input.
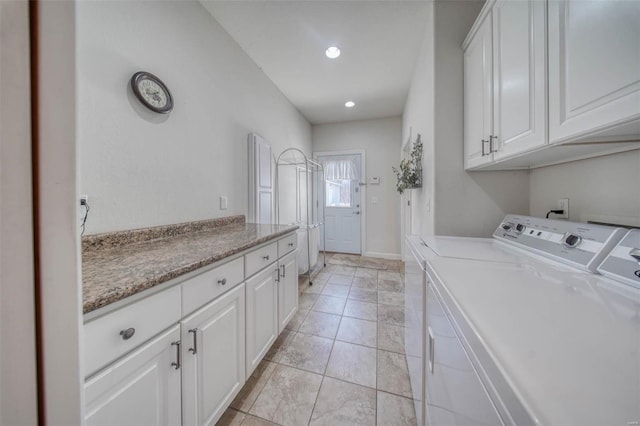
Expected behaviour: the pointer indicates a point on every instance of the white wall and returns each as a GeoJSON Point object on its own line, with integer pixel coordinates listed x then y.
{"type": "Point", "coordinates": [140, 169]}
{"type": "Point", "coordinates": [460, 203]}
{"type": "Point", "coordinates": [381, 140]}
{"type": "Point", "coordinates": [18, 390]}
{"type": "Point", "coordinates": [603, 189]}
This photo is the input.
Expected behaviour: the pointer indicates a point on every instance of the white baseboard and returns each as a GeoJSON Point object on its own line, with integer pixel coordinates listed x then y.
{"type": "Point", "coordinates": [392, 256]}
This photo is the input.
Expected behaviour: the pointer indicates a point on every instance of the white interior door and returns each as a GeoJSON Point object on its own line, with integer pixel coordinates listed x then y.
{"type": "Point", "coordinates": [260, 180]}
{"type": "Point", "coordinates": [342, 211]}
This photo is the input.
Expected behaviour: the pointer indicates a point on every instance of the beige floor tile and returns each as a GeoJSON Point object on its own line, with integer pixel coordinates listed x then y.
{"type": "Point", "coordinates": [366, 273]}
{"type": "Point", "coordinates": [391, 285]}
{"type": "Point", "coordinates": [341, 403]}
{"type": "Point", "coordinates": [395, 410]}
{"type": "Point", "coordinates": [253, 386]}
{"type": "Point", "coordinates": [391, 314]}
{"type": "Point", "coordinates": [316, 288]}
{"type": "Point", "coordinates": [391, 298]}
{"type": "Point", "coordinates": [307, 352]}
{"type": "Point", "coordinates": [335, 290]}
{"type": "Point", "coordinates": [321, 278]}
{"type": "Point", "coordinates": [341, 269]}
{"type": "Point", "coordinates": [389, 275]}
{"type": "Point", "coordinates": [362, 310]}
{"type": "Point", "coordinates": [358, 331]}
{"type": "Point", "coordinates": [353, 363]}
{"type": "Point", "coordinates": [250, 420]}
{"type": "Point", "coordinates": [391, 337]}
{"type": "Point", "coordinates": [288, 397]}
{"type": "Point", "coordinates": [306, 300]}
{"type": "Point", "coordinates": [363, 294]}
{"type": "Point", "coordinates": [340, 279]}
{"type": "Point", "coordinates": [281, 341]}
{"type": "Point", "coordinates": [393, 374]}
{"type": "Point", "coordinates": [296, 320]}
{"type": "Point", "coordinates": [329, 304]}
{"type": "Point", "coordinates": [321, 324]}
{"type": "Point", "coordinates": [365, 282]}
{"type": "Point", "coordinates": [231, 417]}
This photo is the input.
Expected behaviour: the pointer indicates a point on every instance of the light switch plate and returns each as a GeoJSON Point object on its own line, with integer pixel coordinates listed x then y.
{"type": "Point", "coordinates": [223, 202]}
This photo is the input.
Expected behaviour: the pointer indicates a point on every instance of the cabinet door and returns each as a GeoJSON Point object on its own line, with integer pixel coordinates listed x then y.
{"type": "Point", "coordinates": [287, 289]}
{"type": "Point", "coordinates": [262, 315]}
{"type": "Point", "coordinates": [478, 95]}
{"type": "Point", "coordinates": [519, 91]}
{"type": "Point", "coordinates": [451, 381]}
{"type": "Point", "coordinates": [213, 353]}
{"type": "Point", "coordinates": [594, 66]}
{"type": "Point", "coordinates": [143, 388]}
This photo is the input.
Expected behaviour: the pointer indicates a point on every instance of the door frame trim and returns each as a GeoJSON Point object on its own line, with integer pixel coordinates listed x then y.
{"type": "Point", "coordinates": [363, 190]}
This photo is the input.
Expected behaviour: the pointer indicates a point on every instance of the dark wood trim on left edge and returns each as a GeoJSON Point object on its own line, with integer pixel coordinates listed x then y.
{"type": "Point", "coordinates": [35, 161]}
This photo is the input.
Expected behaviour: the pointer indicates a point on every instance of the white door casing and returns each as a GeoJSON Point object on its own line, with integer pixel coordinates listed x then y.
{"type": "Point", "coordinates": [260, 180]}
{"type": "Point", "coordinates": [343, 216]}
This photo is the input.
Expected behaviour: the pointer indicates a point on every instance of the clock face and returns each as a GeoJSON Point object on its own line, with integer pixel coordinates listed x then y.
{"type": "Point", "coordinates": [151, 92]}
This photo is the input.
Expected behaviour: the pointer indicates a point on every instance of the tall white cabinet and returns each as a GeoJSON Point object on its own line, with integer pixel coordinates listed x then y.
{"type": "Point", "coordinates": [504, 82]}
{"type": "Point", "coordinates": [594, 69]}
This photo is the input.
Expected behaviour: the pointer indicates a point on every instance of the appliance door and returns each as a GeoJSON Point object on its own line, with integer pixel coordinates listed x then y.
{"type": "Point", "coordinates": [415, 288]}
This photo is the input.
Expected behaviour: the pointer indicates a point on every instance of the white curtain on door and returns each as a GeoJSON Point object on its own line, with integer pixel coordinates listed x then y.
{"type": "Point", "coordinates": [340, 169]}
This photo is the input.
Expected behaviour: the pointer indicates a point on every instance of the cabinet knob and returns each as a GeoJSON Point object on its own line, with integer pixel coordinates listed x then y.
{"type": "Point", "coordinates": [128, 333]}
{"type": "Point", "coordinates": [265, 257]}
{"type": "Point", "coordinates": [290, 244]}
{"type": "Point", "coordinates": [222, 281]}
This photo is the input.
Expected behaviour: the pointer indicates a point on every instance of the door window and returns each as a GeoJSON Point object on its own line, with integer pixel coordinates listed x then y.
{"type": "Point", "coordinates": [338, 193]}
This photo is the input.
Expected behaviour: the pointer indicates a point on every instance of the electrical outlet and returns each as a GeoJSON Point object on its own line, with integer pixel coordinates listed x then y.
{"type": "Point", "coordinates": [563, 204]}
{"type": "Point", "coordinates": [84, 200]}
{"type": "Point", "coordinates": [223, 202]}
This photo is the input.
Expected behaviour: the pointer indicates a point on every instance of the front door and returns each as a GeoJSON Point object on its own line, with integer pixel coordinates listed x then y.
{"type": "Point", "coordinates": [341, 195]}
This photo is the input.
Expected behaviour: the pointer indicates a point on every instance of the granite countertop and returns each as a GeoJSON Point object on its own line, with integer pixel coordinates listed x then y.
{"type": "Point", "coordinates": [119, 265]}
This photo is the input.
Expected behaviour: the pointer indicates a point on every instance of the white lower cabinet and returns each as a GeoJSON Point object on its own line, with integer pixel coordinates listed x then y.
{"type": "Point", "coordinates": [262, 315]}
{"type": "Point", "coordinates": [142, 388]}
{"type": "Point", "coordinates": [287, 289]}
{"type": "Point", "coordinates": [213, 358]}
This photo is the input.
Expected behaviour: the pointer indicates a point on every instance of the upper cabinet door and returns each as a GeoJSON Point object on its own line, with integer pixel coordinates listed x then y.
{"type": "Point", "coordinates": [478, 96]}
{"type": "Point", "coordinates": [519, 122]}
{"type": "Point", "coordinates": [260, 180]}
{"type": "Point", "coordinates": [594, 68]}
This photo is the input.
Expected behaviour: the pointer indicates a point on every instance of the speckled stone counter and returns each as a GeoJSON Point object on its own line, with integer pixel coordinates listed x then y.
{"type": "Point", "coordinates": [121, 264]}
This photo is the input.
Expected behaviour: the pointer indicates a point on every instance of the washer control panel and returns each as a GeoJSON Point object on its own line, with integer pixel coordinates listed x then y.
{"type": "Point", "coordinates": [623, 263]}
{"type": "Point", "coordinates": [578, 244]}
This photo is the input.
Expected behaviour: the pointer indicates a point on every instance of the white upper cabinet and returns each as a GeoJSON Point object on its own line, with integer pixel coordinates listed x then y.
{"type": "Point", "coordinates": [504, 82]}
{"type": "Point", "coordinates": [594, 70]}
{"type": "Point", "coordinates": [519, 95]}
{"type": "Point", "coordinates": [478, 96]}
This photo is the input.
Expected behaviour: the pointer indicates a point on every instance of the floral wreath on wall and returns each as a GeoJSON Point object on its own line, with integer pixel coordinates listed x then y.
{"type": "Point", "coordinates": [409, 174]}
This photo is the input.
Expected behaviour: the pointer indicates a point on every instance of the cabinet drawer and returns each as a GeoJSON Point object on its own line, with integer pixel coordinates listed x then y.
{"type": "Point", "coordinates": [259, 258]}
{"type": "Point", "coordinates": [287, 244]}
{"type": "Point", "coordinates": [205, 287]}
{"type": "Point", "coordinates": [102, 339]}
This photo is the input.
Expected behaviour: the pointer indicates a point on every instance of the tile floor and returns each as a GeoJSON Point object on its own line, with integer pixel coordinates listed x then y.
{"type": "Point", "coordinates": [340, 361]}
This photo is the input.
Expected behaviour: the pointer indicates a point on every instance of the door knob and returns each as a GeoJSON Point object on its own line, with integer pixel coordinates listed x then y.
{"type": "Point", "coordinates": [358, 212]}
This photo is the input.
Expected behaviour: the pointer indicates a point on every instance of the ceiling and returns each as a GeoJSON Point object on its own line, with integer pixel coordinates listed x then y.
{"type": "Point", "coordinates": [379, 40]}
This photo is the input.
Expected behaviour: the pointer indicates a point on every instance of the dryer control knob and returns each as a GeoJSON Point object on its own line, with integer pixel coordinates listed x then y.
{"type": "Point", "coordinates": [571, 240]}
{"type": "Point", "coordinates": [506, 227]}
{"type": "Point", "coordinates": [520, 228]}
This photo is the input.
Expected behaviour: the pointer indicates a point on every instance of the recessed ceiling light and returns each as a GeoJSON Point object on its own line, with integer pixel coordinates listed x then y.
{"type": "Point", "coordinates": [332, 52]}
{"type": "Point", "coordinates": [349, 104]}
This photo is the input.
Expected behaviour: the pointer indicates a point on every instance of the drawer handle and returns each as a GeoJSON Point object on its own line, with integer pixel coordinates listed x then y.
{"type": "Point", "coordinates": [265, 257]}
{"type": "Point", "coordinates": [194, 349]}
{"type": "Point", "coordinates": [290, 244]}
{"type": "Point", "coordinates": [221, 282]}
{"type": "Point", "coordinates": [432, 351]}
{"type": "Point", "coordinates": [178, 362]}
{"type": "Point", "coordinates": [283, 271]}
{"type": "Point", "coordinates": [128, 333]}
{"type": "Point", "coordinates": [277, 275]}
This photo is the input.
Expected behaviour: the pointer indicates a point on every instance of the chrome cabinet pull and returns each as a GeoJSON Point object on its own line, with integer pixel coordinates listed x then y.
{"type": "Point", "coordinates": [277, 275]}
{"type": "Point", "coordinates": [128, 333]}
{"type": "Point", "coordinates": [222, 281]}
{"type": "Point", "coordinates": [491, 138]}
{"type": "Point", "coordinates": [432, 351]}
{"type": "Point", "coordinates": [265, 257]}
{"type": "Point", "coordinates": [178, 362]}
{"type": "Point", "coordinates": [284, 272]}
{"type": "Point", "coordinates": [194, 349]}
{"type": "Point", "coordinates": [483, 142]}
{"type": "Point", "coordinates": [290, 244]}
